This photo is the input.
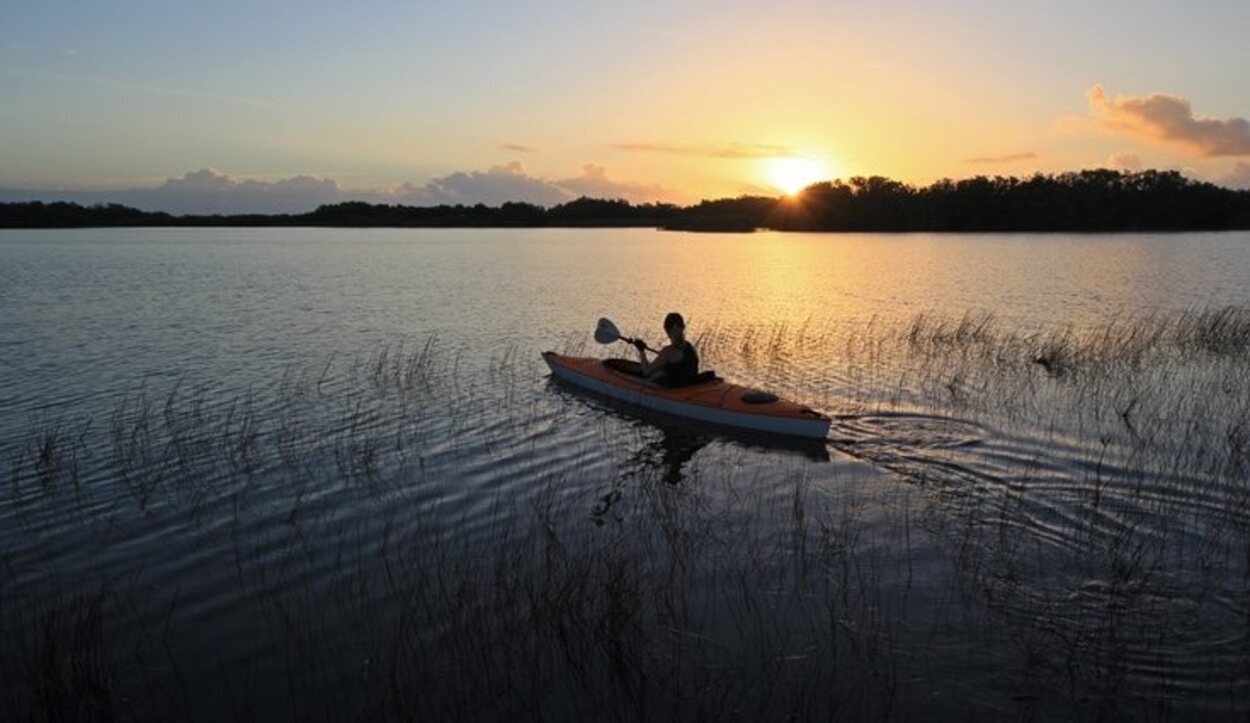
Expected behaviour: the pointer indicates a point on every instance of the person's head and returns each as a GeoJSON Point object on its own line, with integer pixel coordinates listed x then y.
{"type": "Point", "coordinates": [675, 327]}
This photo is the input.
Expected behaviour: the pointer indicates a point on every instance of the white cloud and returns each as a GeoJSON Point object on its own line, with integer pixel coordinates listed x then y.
{"type": "Point", "coordinates": [594, 182]}
{"type": "Point", "coordinates": [208, 191]}
{"type": "Point", "coordinates": [492, 187]}
{"type": "Point", "coordinates": [1123, 162]}
{"type": "Point", "coordinates": [1238, 177]}
{"type": "Point", "coordinates": [205, 180]}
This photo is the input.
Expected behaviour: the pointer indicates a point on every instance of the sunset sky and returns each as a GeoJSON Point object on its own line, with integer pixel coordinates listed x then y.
{"type": "Point", "coordinates": [428, 102]}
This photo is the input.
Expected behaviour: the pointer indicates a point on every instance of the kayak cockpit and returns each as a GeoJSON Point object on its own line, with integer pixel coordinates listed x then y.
{"type": "Point", "coordinates": [633, 370]}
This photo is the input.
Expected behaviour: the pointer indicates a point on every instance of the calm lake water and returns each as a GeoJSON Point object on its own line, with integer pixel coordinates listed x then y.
{"type": "Point", "coordinates": [323, 473]}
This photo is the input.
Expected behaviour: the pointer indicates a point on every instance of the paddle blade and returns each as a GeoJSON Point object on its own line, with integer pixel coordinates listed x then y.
{"type": "Point", "coordinates": [606, 332]}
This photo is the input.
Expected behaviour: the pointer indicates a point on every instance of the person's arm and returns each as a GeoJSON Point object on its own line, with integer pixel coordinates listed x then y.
{"type": "Point", "coordinates": [667, 355]}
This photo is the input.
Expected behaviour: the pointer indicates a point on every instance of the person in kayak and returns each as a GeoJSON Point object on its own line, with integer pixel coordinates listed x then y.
{"type": "Point", "coordinates": [675, 365]}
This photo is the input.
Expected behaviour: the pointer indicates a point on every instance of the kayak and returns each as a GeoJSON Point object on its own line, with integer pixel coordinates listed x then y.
{"type": "Point", "coordinates": [710, 400]}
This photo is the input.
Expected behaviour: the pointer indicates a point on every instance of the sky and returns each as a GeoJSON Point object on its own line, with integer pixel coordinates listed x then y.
{"type": "Point", "coordinates": [278, 106]}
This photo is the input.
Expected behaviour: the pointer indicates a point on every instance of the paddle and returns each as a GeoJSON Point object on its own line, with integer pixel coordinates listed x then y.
{"type": "Point", "coordinates": [607, 333]}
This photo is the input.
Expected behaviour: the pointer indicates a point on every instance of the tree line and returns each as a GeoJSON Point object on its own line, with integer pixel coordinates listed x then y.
{"type": "Point", "coordinates": [1092, 200]}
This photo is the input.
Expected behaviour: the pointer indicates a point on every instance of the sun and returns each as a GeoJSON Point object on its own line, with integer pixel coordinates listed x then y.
{"type": "Point", "coordinates": [794, 173]}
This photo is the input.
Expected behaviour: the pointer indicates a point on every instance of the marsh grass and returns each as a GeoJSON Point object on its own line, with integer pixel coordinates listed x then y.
{"type": "Point", "coordinates": [64, 660]}
{"type": "Point", "coordinates": [1063, 538]}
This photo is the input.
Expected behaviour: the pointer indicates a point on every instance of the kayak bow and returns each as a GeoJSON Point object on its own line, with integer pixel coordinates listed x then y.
{"type": "Point", "coordinates": [714, 400]}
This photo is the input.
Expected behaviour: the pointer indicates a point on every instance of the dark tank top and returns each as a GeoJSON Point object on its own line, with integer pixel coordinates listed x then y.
{"type": "Point", "coordinates": [685, 371]}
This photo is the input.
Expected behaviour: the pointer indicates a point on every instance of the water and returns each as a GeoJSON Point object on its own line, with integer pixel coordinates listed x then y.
{"type": "Point", "coordinates": [321, 473]}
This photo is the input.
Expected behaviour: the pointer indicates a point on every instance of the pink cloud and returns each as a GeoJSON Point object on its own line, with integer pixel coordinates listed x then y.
{"type": "Point", "coordinates": [1169, 119]}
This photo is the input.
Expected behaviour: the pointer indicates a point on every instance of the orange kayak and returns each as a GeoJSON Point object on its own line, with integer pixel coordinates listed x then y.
{"type": "Point", "coordinates": [712, 400]}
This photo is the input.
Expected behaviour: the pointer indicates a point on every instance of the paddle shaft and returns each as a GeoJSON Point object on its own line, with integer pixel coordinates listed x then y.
{"type": "Point", "coordinates": [644, 346]}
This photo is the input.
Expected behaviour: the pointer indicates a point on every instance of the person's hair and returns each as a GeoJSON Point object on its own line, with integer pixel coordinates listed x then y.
{"type": "Point", "coordinates": [673, 318]}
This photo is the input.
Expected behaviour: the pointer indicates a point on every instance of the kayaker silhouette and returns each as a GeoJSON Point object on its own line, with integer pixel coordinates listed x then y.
{"type": "Point", "coordinates": [676, 364]}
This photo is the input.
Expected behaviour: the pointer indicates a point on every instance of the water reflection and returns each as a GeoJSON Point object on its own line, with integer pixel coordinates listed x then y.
{"type": "Point", "coordinates": [666, 454]}
{"type": "Point", "coordinates": [668, 447]}
{"type": "Point", "coordinates": [663, 456]}
{"type": "Point", "coordinates": [665, 445]}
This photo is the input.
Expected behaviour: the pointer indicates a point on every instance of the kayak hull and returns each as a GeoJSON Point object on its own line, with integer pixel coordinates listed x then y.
{"type": "Point", "coordinates": [715, 402]}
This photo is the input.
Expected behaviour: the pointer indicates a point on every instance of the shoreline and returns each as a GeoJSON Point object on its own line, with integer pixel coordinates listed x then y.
{"type": "Point", "coordinates": [1095, 201]}
{"type": "Point", "coordinates": [761, 229]}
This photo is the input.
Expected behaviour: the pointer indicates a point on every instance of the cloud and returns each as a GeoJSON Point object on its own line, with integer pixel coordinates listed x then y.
{"type": "Point", "coordinates": [1123, 162]}
{"type": "Point", "coordinates": [1238, 177]}
{"type": "Point", "coordinates": [594, 182]}
{"type": "Point", "coordinates": [510, 182]}
{"type": "Point", "coordinates": [733, 150]}
{"type": "Point", "coordinates": [1170, 119]}
{"type": "Point", "coordinates": [517, 147]}
{"type": "Point", "coordinates": [494, 186]}
{"type": "Point", "coordinates": [205, 191]}
{"type": "Point", "coordinates": [1007, 158]}
{"type": "Point", "coordinates": [205, 180]}
{"type": "Point", "coordinates": [208, 191]}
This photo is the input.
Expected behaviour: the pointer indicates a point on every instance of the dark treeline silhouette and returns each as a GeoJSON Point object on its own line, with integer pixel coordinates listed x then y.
{"type": "Point", "coordinates": [1096, 200]}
